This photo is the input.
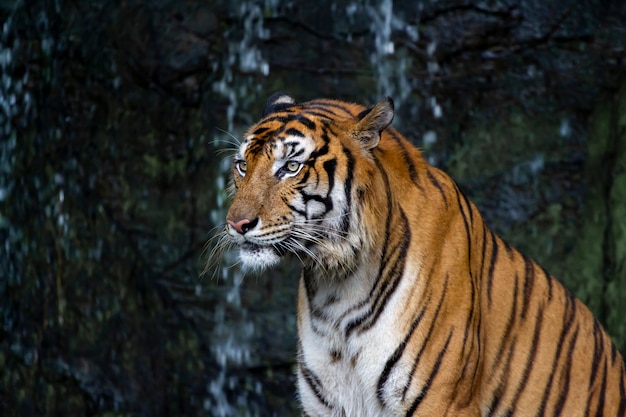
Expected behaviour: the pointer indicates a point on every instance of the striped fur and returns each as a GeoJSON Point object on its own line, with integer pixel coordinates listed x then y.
{"type": "Point", "coordinates": [408, 304]}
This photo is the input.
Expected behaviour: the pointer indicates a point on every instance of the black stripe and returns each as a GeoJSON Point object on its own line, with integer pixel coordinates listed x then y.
{"type": "Point", "coordinates": [392, 278]}
{"type": "Point", "coordinates": [549, 279]}
{"type": "Point", "coordinates": [529, 360]}
{"type": "Point", "coordinates": [408, 161]}
{"type": "Point", "coordinates": [492, 266]}
{"type": "Point", "coordinates": [318, 114]}
{"type": "Point", "coordinates": [473, 316]}
{"type": "Point", "coordinates": [305, 121]}
{"type": "Point", "coordinates": [469, 206]}
{"type": "Point", "coordinates": [260, 130]}
{"type": "Point", "coordinates": [315, 385]}
{"type": "Point", "coordinates": [295, 153]}
{"type": "Point", "coordinates": [397, 354]}
{"type": "Point", "coordinates": [317, 314]}
{"type": "Point", "coordinates": [330, 166]}
{"type": "Point", "coordinates": [470, 317]}
{"type": "Point", "coordinates": [474, 345]}
{"type": "Point", "coordinates": [364, 113]}
{"type": "Point", "coordinates": [382, 293]}
{"type": "Point", "coordinates": [569, 314]}
{"type": "Point", "coordinates": [375, 289]}
{"type": "Point", "coordinates": [483, 250]}
{"type": "Point", "coordinates": [324, 149]}
{"type": "Point", "coordinates": [598, 351]}
{"type": "Point", "coordinates": [399, 351]}
{"type": "Point", "coordinates": [597, 356]}
{"type": "Point", "coordinates": [508, 248]}
{"type": "Point", "coordinates": [433, 374]}
{"type": "Point", "coordinates": [602, 394]}
{"type": "Point", "coordinates": [529, 282]}
{"type": "Point", "coordinates": [293, 208]}
{"type": "Point", "coordinates": [568, 368]}
{"type": "Point", "coordinates": [503, 383]}
{"type": "Point", "coordinates": [478, 344]}
{"type": "Point", "coordinates": [328, 107]}
{"type": "Point", "coordinates": [294, 132]}
{"type": "Point", "coordinates": [326, 201]}
{"type": "Point", "coordinates": [256, 146]}
{"type": "Point", "coordinates": [433, 321]}
{"type": "Point", "coordinates": [310, 290]}
{"type": "Point", "coordinates": [307, 173]}
{"type": "Point", "coordinates": [467, 231]}
{"type": "Point", "coordinates": [509, 327]}
{"type": "Point", "coordinates": [436, 183]}
{"type": "Point", "coordinates": [282, 118]}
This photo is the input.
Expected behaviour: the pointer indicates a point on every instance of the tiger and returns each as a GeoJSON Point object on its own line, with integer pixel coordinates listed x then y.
{"type": "Point", "coordinates": [408, 304]}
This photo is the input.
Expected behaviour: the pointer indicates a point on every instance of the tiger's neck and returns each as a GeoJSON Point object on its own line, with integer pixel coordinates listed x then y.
{"type": "Point", "coordinates": [376, 261]}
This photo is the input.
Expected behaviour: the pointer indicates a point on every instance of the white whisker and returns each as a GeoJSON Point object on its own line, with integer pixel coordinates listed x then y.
{"type": "Point", "coordinates": [236, 142]}
{"type": "Point", "coordinates": [218, 244]}
{"type": "Point", "coordinates": [299, 246]}
{"type": "Point", "coordinates": [230, 152]}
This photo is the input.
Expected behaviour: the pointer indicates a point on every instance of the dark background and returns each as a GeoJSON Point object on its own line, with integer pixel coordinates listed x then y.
{"type": "Point", "coordinates": [115, 122]}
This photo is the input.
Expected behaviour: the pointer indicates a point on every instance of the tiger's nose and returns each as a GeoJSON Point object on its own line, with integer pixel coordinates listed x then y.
{"type": "Point", "coordinates": [243, 226]}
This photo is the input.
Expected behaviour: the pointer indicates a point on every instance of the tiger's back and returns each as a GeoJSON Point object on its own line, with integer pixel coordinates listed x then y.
{"type": "Point", "coordinates": [408, 304]}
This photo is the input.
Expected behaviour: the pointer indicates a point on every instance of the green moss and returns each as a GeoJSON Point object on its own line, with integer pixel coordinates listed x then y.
{"type": "Point", "coordinates": [616, 289]}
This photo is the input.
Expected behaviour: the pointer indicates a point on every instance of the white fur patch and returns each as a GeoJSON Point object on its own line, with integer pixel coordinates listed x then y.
{"type": "Point", "coordinates": [257, 258]}
{"type": "Point", "coordinates": [287, 148]}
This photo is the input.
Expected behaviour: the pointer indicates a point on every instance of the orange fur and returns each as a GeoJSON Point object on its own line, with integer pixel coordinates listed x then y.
{"type": "Point", "coordinates": [408, 303]}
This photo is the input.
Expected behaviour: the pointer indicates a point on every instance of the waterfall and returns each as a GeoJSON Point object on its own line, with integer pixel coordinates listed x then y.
{"type": "Point", "coordinates": [230, 338]}
{"type": "Point", "coordinates": [232, 333]}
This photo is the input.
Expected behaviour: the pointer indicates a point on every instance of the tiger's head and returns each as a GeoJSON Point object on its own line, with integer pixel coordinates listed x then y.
{"type": "Point", "coordinates": [302, 178]}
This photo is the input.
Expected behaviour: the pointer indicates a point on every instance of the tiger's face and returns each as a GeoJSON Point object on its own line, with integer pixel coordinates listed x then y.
{"type": "Point", "coordinates": [297, 183]}
{"type": "Point", "coordinates": [272, 174]}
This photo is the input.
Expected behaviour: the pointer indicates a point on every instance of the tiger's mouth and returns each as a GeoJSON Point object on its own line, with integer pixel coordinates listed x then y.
{"type": "Point", "coordinates": [255, 247]}
{"type": "Point", "coordinates": [249, 246]}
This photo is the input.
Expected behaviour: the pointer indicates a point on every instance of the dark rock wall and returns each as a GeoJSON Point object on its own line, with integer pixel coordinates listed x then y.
{"type": "Point", "coordinates": [115, 119]}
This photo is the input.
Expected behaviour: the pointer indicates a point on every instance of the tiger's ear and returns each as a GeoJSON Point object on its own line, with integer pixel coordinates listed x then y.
{"type": "Point", "coordinates": [371, 122]}
{"type": "Point", "coordinates": [278, 101]}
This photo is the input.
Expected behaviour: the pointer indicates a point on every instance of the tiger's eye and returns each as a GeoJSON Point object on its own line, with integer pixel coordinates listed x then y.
{"type": "Point", "coordinates": [242, 166]}
{"type": "Point", "coordinates": [293, 166]}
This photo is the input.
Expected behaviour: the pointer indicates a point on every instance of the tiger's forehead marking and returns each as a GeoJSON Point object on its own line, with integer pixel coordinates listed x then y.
{"type": "Point", "coordinates": [293, 147]}
{"type": "Point", "coordinates": [296, 147]}
{"type": "Point", "coordinates": [277, 146]}
{"type": "Point", "coordinates": [283, 135]}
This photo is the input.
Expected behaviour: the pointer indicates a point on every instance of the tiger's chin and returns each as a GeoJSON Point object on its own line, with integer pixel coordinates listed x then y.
{"type": "Point", "coordinates": [258, 258]}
